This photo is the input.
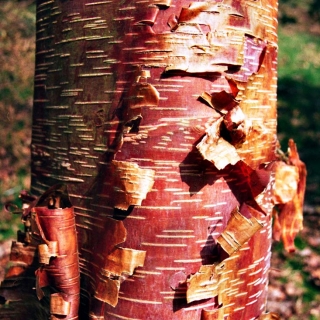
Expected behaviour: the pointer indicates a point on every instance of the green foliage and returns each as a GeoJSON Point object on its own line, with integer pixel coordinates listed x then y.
{"type": "Point", "coordinates": [17, 45]}
{"type": "Point", "coordinates": [296, 11]}
{"type": "Point", "coordinates": [299, 56]}
{"type": "Point", "coordinates": [17, 31]}
{"type": "Point", "coordinates": [299, 101]}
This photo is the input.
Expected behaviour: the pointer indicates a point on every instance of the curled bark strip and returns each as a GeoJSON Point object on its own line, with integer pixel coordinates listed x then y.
{"type": "Point", "coordinates": [123, 261]}
{"type": "Point", "coordinates": [221, 153]}
{"type": "Point", "coordinates": [289, 219]}
{"type": "Point", "coordinates": [216, 149]}
{"type": "Point", "coordinates": [237, 126]}
{"type": "Point", "coordinates": [59, 253]}
{"type": "Point", "coordinates": [225, 134]}
{"type": "Point", "coordinates": [234, 90]}
{"type": "Point", "coordinates": [238, 231]}
{"type": "Point", "coordinates": [115, 263]}
{"type": "Point", "coordinates": [119, 263]}
{"type": "Point", "coordinates": [107, 290]}
{"type": "Point", "coordinates": [209, 281]}
{"type": "Point", "coordinates": [107, 286]}
{"type": "Point", "coordinates": [204, 284]}
{"type": "Point", "coordinates": [261, 178]}
{"type": "Point", "coordinates": [50, 228]}
{"type": "Point", "coordinates": [221, 101]}
{"type": "Point", "coordinates": [234, 118]}
{"type": "Point", "coordinates": [131, 183]}
{"type": "Point", "coordinates": [207, 98]}
{"type": "Point", "coordinates": [286, 183]}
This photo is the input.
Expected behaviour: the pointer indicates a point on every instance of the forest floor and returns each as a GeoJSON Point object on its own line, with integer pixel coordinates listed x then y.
{"type": "Point", "coordinates": [294, 289]}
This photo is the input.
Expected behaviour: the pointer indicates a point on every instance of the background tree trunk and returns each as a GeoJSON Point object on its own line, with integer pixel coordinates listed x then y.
{"type": "Point", "coordinates": [160, 116]}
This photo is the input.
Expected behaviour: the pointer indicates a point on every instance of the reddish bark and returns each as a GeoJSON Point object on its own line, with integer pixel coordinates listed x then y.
{"type": "Point", "coordinates": [160, 115]}
{"type": "Point", "coordinates": [289, 197]}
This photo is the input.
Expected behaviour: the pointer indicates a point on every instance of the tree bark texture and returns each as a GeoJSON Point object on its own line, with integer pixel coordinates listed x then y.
{"type": "Point", "coordinates": [160, 116]}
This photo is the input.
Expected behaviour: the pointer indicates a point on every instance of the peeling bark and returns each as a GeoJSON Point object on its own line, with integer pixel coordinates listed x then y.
{"type": "Point", "coordinates": [120, 262]}
{"type": "Point", "coordinates": [131, 184]}
{"type": "Point", "coordinates": [238, 231]}
{"type": "Point", "coordinates": [160, 116]}
{"type": "Point", "coordinates": [53, 229]}
{"type": "Point", "coordinates": [115, 263]}
{"type": "Point", "coordinates": [216, 149]}
{"type": "Point", "coordinates": [204, 284]}
{"type": "Point", "coordinates": [290, 186]}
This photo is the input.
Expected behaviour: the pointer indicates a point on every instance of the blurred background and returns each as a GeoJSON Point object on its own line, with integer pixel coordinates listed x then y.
{"type": "Point", "coordinates": [294, 278]}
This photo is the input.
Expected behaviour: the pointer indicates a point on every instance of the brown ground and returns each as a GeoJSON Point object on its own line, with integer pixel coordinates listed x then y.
{"type": "Point", "coordinates": [294, 289]}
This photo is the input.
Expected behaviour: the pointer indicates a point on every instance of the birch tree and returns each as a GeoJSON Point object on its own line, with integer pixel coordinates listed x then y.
{"type": "Point", "coordinates": [154, 165]}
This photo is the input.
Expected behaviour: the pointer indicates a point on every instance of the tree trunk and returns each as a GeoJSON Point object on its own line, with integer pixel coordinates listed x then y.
{"type": "Point", "coordinates": [160, 117]}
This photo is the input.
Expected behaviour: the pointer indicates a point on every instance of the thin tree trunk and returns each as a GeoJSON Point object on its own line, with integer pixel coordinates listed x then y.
{"type": "Point", "coordinates": [160, 117]}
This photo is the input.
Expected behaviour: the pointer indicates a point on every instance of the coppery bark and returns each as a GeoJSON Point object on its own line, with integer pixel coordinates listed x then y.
{"type": "Point", "coordinates": [289, 197]}
{"type": "Point", "coordinates": [160, 116]}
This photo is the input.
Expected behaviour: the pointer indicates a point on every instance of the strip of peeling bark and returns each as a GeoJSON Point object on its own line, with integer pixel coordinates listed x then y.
{"type": "Point", "coordinates": [290, 186]}
{"type": "Point", "coordinates": [238, 231]}
{"type": "Point", "coordinates": [131, 184]}
{"type": "Point", "coordinates": [54, 227]}
{"type": "Point", "coordinates": [119, 264]}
